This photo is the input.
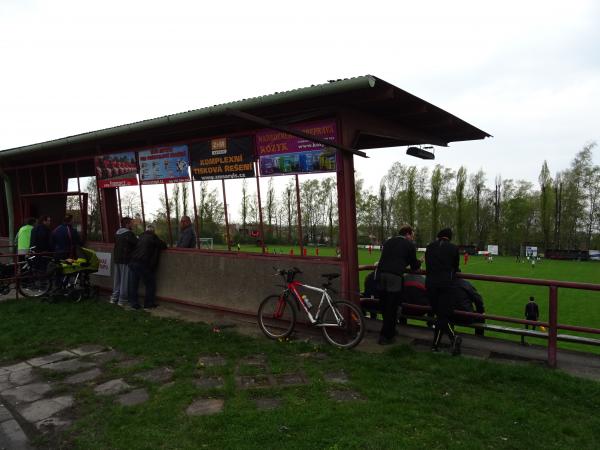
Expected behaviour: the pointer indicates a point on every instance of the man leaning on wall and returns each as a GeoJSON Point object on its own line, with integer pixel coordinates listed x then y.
{"type": "Point", "coordinates": [125, 242]}
{"type": "Point", "coordinates": [187, 237]}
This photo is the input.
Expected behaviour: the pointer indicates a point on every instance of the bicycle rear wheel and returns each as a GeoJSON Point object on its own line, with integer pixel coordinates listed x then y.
{"type": "Point", "coordinates": [277, 316]}
{"type": "Point", "coordinates": [342, 326]}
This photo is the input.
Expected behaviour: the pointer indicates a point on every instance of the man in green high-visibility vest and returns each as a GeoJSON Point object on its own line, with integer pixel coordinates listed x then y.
{"type": "Point", "coordinates": [23, 237]}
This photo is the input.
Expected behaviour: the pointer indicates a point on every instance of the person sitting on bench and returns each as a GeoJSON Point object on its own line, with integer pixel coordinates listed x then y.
{"type": "Point", "coordinates": [466, 298]}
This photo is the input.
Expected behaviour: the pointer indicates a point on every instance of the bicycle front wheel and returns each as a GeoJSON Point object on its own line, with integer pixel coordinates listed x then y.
{"type": "Point", "coordinates": [277, 316]}
{"type": "Point", "coordinates": [34, 283]}
{"type": "Point", "coordinates": [343, 325]}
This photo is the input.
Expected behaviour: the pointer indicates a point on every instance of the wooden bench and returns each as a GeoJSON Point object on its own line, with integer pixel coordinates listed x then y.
{"type": "Point", "coordinates": [518, 331]}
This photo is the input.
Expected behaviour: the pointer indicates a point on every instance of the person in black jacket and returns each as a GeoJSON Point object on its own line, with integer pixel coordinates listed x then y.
{"type": "Point", "coordinates": [144, 260]}
{"type": "Point", "coordinates": [125, 242]}
{"type": "Point", "coordinates": [40, 235]}
{"type": "Point", "coordinates": [442, 260]}
{"type": "Point", "coordinates": [398, 252]}
{"type": "Point", "coordinates": [532, 312]}
{"type": "Point", "coordinates": [466, 298]}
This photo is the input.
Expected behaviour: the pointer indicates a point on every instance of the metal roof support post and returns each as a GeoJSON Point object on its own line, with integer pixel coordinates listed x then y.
{"type": "Point", "coordinates": [195, 213]}
{"type": "Point", "coordinates": [226, 219]}
{"type": "Point", "coordinates": [300, 235]}
{"type": "Point", "coordinates": [552, 329]}
{"type": "Point", "coordinates": [347, 219]}
{"type": "Point", "coordinates": [9, 206]}
{"type": "Point", "coordinates": [168, 215]}
{"type": "Point", "coordinates": [260, 216]}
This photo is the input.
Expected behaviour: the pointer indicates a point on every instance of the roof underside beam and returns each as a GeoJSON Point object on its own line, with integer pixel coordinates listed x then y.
{"type": "Point", "coordinates": [285, 129]}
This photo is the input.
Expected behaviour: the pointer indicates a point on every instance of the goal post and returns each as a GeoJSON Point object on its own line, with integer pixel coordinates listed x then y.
{"type": "Point", "coordinates": [205, 243]}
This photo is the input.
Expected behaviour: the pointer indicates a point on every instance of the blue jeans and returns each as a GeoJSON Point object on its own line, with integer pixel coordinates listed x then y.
{"type": "Point", "coordinates": [143, 272]}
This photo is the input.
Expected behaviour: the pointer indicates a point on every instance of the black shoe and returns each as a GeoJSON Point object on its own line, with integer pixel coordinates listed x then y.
{"type": "Point", "coordinates": [456, 346]}
{"type": "Point", "coordinates": [136, 307]}
{"type": "Point", "coordinates": [150, 306]}
{"type": "Point", "coordinates": [385, 341]}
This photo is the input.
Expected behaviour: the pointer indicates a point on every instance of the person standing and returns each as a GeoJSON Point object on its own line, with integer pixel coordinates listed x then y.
{"type": "Point", "coordinates": [125, 242]}
{"type": "Point", "coordinates": [442, 259]}
{"type": "Point", "coordinates": [40, 235]}
{"type": "Point", "coordinates": [143, 263]}
{"type": "Point", "coordinates": [23, 237]}
{"type": "Point", "coordinates": [466, 257]}
{"type": "Point", "coordinates": [65, 238]}
{"type": "Point", "coordinates": [398, 253]}
{"type": "Point", "coordinates": [187, 237]}
{"type": "Point", "coordinates": [532, 312]}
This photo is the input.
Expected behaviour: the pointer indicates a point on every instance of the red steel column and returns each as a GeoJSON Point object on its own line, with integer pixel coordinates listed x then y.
{"type": "Point", "coordinates": [260, 216]}
{"type": "Point", "coordinates": [226, 219]}
{"type": "Point", "coordinates": [168, 215]}
{"type": "Point", "coordinates": [298, 210]}
{"type": "Point", "coordinates": [552, 330]}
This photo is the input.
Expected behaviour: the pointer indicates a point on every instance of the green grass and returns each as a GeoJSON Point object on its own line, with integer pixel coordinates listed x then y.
{"type": "Point", "coordinates": [409, 400]}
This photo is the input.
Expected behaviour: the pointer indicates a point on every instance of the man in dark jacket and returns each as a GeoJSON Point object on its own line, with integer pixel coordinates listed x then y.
{"type": "Point", "coordinates": [125, 242]}
{"type": "Point", "coordinates": [398, 252]}
{"type": "Point", "coordinates": [144, 260]}
{"type": "Point", "coordinates": [40, 235]}
{"type": "Point", "coordinates": [187, 237]}
{"type": "Point", "coordinates": [532, 312]}
{"type": "Point", "coordinates": [442, 259]}
{"type": "Point", "coordinates": [466, 298]}
{"type": "Point", "coordinates": [65, 238]}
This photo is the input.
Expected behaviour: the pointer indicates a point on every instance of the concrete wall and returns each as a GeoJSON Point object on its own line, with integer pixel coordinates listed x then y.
{"type": "Point", "coordinates": [227, 281]}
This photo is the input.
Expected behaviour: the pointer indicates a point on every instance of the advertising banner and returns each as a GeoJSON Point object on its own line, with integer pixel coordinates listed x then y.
{"type": "Point", "coordinates": [118, 169]}
{"type": "Point", "coordinates": [167, 164]}
{"type": "Point", "coordinates": [493, 249]}
{"type": "Point", "coordinates": [105, 263]}
{"type": "Point", "coordinates": [222, 158]}
{"type": "Point", "coordinates": [282, 154]}
{"type": "Point", "coordinates": [531, 251]}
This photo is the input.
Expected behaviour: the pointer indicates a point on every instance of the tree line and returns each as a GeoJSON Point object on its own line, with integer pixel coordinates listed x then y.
{"type": "Point", "coordinates": [560, 211]}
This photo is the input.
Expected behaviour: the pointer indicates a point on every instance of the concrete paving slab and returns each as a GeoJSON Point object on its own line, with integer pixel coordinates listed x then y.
{"type": "Point", "coordinates": [25, 376]}
{"type": "Point", "coordinates": [15, 367]}
{"type": "Point", "coordinates": [158, 375]}
{"type": "Point", "coordinates": [338, 376]}
{"type": "Point", "coordinates": [129, 363]}
{"type": "Point", "coordinates": [254, 360]}
{"type": "Point", "coordinates": [5, 386]}
{"type": "Point", "coordinates": [108, 356]}
{"type": "Point", "coordinates": [54, 357]}
{"type": "Point", "coordinates": [344, 395]}
{"type": "Point", "coordinates": [136, 397]}
{"type": "Point", "coordinates": [4, 414]}
{"type": "Point", "coordinates": [27, 393]}
{"type": "Point", "coordinates": [211, 361]}
{"type": "Point", "coordinates": [112, 387]}
{"type": "Point", "coordinates": [315, 355]}
{"type": "Point", "coordinates": [42, 409]}
{"type": "Point", "coordinates": [250, 382]}
{"type": "Point", "coordinates": [88, 349]}
{"type": "Point", "coordinates": [209, 382]}
{"type": "Point", "coordinates": [53, 424]}
{"type": "Point", "coordinates": [83, 376]}
{"type": "Point", "coordinates": [4, 377]}
{"type": "Point", "coordinates": [266, 404]}
{"type": "Point", "coordinates": [291, 379]}
{"type": "Point", "coordinates": [591, 373]}
{"type": "Point", "coordinates": [12, 436]}
{"type": "Point", "coordinates": [72, 365]}
{"type": "Point", "coordinates": [205, 406]}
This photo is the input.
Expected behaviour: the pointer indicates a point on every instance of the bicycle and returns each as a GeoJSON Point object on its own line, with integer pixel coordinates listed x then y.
{"type": "Point", "coordinates": [341, 322]}
{"type": "Point", "coordinates": [29, 276]}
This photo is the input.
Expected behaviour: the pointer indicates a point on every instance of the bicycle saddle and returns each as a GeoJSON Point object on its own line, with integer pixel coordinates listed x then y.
{"type": "Point", "coordinates": [330, 276]}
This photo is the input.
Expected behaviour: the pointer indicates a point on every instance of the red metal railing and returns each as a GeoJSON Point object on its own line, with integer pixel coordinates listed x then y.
{"type": "Point", "coordinates": [552, 324]}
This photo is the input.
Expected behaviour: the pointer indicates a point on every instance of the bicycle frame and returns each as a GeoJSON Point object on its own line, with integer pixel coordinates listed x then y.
{"type": "Point", "coordinates": [325, 297]}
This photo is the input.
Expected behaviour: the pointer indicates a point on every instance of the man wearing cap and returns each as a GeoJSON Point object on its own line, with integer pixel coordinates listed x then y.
{"type": "Point", "coordinates": [442, 260]}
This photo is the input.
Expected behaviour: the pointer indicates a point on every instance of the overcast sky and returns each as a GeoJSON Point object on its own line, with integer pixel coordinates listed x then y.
{"type": "Point", "coordinates": [527, 72]}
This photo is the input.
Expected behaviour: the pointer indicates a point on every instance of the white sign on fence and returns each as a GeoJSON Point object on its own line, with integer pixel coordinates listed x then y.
{"type": "Point", "coordinates": [105, 264]}
{"type": "Point", "coordinates": [493, 249]}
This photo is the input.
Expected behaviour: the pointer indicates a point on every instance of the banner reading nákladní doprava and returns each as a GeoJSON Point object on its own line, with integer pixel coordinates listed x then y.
{"type": "Point", "coordinates": [118, 169]}
{"type": "Point", "coordinates": [222, 158]}
{"type": "Point", "coordinates": [168, 164]}
{"type": "Point", "coordinates": [283, 154]}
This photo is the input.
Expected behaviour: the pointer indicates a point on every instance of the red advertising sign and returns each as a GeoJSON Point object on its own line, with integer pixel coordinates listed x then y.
{"type": "Point", "coordinates": [118, 169]}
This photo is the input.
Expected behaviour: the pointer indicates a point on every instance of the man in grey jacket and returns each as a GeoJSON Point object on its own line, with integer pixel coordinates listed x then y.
{"type": "Point", "coordinates": [187, 237]}
{"type": "Point", "coordinates": [125, 242]}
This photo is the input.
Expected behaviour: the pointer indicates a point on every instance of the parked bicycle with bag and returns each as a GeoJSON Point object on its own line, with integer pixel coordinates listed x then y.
{"type": "Point", "coordinates": [341, 322]}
